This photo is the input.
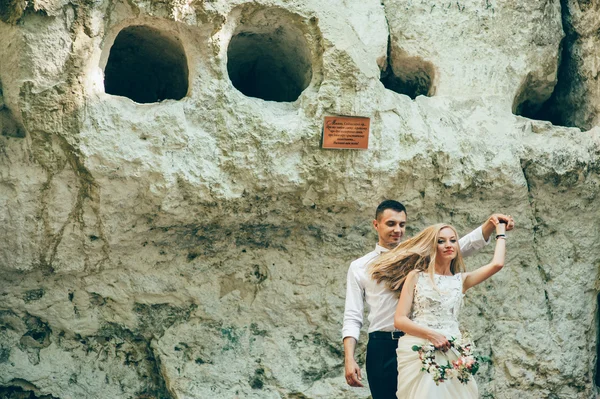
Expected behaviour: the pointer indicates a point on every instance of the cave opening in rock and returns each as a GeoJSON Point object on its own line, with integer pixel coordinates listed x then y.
{"type": "Point", "coordinates": [535, 101]}
{"type": "Point", "coordinates": [147, 66]}
{"type": "Point", "coordinates": [17, 392]}
{"type": "Point", "coordinates": [271, 63]}
{"type": "Point", "coordinates": [567, 104]}
{"type": "Point", "coordinates": [412, 76]}
{"type": "Point", "coordinates": [539, 98]}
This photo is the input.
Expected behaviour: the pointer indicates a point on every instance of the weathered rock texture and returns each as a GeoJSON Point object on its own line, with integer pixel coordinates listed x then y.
{"type": "Point", "coordinates": [197, 248]}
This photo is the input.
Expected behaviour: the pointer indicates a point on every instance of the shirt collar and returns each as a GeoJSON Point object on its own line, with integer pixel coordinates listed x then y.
{"type": "Point", "coordinates": [379, 249]}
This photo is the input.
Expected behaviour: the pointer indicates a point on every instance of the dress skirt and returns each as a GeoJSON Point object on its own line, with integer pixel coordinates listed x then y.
{"type": "Point", "coordinates": [416, 384]}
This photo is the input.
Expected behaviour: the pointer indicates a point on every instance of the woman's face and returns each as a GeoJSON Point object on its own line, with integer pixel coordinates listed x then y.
{"type": "Point", "coordinates": [447, 244]}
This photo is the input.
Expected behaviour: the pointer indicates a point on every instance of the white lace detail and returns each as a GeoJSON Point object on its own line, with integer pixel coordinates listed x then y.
{"type": "Point", "coordinates": [438, 309]}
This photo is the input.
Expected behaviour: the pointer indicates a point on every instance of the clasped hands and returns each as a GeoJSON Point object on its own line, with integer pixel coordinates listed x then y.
{"type": "Point", "coordinates": [439, 341]}
{"type": "Point", "coordinates": [499, 218]}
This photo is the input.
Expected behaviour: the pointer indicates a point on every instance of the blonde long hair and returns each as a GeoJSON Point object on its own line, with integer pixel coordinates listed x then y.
{"type": "Point", "coordinates": [417, 253]}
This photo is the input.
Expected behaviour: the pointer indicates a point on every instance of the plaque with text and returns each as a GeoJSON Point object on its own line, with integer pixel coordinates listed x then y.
{"type": "Point", "coordinates": [346, 132]}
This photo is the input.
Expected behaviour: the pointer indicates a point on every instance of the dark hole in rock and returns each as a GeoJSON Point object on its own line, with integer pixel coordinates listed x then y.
{"type": "Point", "coordinates": [412, 76]}
{"type": "Point", "coordinates": [147, 66]}
{"type": "Point", "coordinates": [16, 392]}
{"type": "Point", "coordinates": [9, 126]}
{"type": "Point", "coordinates": [33, 295]}
{"type": "Point", "coordinates": [413, 82]}
{"type": "Point", "coordinates": [571, 101]}
{"type": "Point", "coordinates": [543, 99]}
{"type": "Point", "coordinates": [4, 354]}
{"type": "Point", "coordinates": [38, 334]}
{"type": "Point", "coordinates": [274, 65]}
{"type": "Point", "coordinates": [97, 299]}
{"type": "Point", "coordinates": [256, 382]}
{"type": "Point", "coordinates": [534, 101]}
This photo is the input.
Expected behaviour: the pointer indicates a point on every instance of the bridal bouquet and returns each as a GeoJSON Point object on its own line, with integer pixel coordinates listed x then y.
{"type": "Point", "coordinates": [462, 368]}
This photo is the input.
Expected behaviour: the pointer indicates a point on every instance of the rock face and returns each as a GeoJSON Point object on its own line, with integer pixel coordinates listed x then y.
{"type": "Point", "coordinates": [194, 243]}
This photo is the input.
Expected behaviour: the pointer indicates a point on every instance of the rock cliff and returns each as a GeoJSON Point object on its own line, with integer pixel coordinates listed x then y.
{"type": "Point", "coordinates": [171, 228]}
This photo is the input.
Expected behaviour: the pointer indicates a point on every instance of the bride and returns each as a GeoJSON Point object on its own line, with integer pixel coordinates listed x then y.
{"type": "Point", "coordinates": [430, 273]}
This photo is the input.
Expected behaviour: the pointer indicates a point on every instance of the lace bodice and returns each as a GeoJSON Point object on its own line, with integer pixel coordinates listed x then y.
{"type": "Point", "coordinates": [438, 309]}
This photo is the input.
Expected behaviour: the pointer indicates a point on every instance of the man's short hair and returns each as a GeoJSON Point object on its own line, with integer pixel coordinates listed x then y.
{"type": "Point", "coordinates": [389, 204]}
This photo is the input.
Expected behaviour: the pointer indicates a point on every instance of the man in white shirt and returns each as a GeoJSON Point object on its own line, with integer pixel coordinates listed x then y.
{"type": "Point", "coordinates": [381, 364]}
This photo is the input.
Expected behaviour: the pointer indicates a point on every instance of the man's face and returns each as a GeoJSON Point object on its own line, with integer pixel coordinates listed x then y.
{"type": "Point", "coordinates": [390, 227]}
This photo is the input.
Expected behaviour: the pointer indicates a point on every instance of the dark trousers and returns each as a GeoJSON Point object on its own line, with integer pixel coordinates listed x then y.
{"type": "Point", "coordinates": [382, 368]}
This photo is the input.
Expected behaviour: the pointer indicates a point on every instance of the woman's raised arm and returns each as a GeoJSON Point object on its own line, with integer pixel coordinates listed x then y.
{"type": "Point", "coordinates": [471, 279]}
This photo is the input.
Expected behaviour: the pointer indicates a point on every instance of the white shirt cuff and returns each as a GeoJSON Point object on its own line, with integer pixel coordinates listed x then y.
{"type": "Point", "coordinates": [351, 332]}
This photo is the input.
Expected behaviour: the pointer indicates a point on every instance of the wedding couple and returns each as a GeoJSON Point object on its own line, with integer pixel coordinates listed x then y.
{"type": "Point", "coordinates": [414, 291]}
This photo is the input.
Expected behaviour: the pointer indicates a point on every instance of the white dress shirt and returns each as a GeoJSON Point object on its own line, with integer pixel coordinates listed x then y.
{"type": "Point", "coordinates": [380, 300]}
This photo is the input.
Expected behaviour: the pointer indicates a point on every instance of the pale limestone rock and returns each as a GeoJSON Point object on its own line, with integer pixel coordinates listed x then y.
{"type": "Point", "coordinates": [500, 49]}
{"type": "Point", "coordinates": [197, 248]}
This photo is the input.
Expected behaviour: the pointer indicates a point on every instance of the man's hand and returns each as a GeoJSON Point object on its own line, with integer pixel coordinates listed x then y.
{"type": "Point", "coordinates": [490, 225]}
{"type": "Point", "coordinates": [352, 371]}
{"type": "Point", "coordinates": [498, 217]}
{"type": "Point", "coordinates": [353, 376]}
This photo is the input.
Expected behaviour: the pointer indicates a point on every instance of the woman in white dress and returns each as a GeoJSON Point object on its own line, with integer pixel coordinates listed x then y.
{"type": "Point", "coordinates": [430, 273]}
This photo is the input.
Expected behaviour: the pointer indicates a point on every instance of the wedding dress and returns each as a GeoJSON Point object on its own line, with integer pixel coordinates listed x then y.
{"type": "Point", "coordinates": [437, 310]}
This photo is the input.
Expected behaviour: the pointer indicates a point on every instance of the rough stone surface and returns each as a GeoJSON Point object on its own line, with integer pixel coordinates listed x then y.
{"type": "Point", "coordinates": [198, 248]}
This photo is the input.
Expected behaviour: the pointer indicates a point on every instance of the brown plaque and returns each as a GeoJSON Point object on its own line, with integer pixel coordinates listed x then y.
{"type": "Point", "coordinates": [345, 132]}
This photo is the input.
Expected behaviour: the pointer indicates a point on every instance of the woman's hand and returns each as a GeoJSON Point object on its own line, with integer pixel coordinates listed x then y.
{"type": "Point", "coordinates": [439, 341]}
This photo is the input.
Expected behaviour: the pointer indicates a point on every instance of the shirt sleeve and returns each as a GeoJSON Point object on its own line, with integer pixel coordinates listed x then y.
{"type": "Point", "coordinates": [353, 312]}
{"type": "Point", "coordinates": [473, 242]}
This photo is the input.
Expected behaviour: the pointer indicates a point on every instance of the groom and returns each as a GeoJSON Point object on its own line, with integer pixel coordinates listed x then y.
{"type": "Point", "coordinates": [381, 364]}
